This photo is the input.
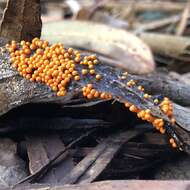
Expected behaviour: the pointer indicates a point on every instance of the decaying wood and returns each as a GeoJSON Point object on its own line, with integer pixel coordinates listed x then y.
{"type": "Point", "coordinates": [43, 149]}
{"type": "Point", "coordinates": [182, 114]}
{"type": "Point", "coordinates": [45, 153]}
{"type": "Point", "coordinates": [130, 53]}
{"type": "Point", "coordinates": [116, 185]}
{"type": "Point", "coordinates": [65, 123]}
{"type": "Point", "coordinates": [15, 90]}
{"type": "Point", "coordinates": [176, 90]}
{"type": "Point", "coordinates": [96, 161]}
{"type": "Point", "coordinates": [183, 78]}
{"type": "Point", "coordinates": [58, 171]}
{"type": "Point", "coordinates": [50, 124]}
{"type": "Point", "coordinates": [99, 166]}
{"type": "Point", "coordinates": [142, 150]}
{"type": "Point", "coordinates": [155, 138]}
{"type": "Point", "coordinates": [160, 83]}
{"type": "Point", "coordinates": [21, 20]}
{"type": "Point", "coordinates": [81, 168]}
{"type": "Point", "coordinates": [134, 158]}
{"type": "Point", "coordinates": [40, 172]}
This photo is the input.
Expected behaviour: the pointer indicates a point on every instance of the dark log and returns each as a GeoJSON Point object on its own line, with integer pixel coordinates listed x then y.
{"type": "Point", "coordinates": [160, 83]}
{"type": "Point", "coordinates": [98, 159]}
{"type": "Point", "coordinates": [16, 90]}
{"type": "Point", "coordinates": [26, 124]}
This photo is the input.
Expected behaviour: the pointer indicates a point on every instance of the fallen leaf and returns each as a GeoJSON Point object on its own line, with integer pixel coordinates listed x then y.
{"type": "Point", "coordinates": [12, 168]}
{"type": "Point", "coordinates": [42, 149]}
{"type": "Point", "coordinates": [131, 53]}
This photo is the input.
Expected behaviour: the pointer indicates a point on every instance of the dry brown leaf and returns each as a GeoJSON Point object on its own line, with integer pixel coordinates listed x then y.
{"type": "Point", "coordinates": [12, 168]}
{"type": "Point", "coordinates": [42, 149]}
{"type": "Point", "coordinates": [117, 44]}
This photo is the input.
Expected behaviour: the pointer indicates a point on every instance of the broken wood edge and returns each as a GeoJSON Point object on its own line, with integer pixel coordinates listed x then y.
{"type": "Point", "coordinates": [115, 185]}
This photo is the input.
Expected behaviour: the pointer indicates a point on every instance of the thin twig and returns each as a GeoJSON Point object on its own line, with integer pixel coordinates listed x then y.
{"type": "Point", "coordinates": [157, 23]}
{"type": "Point", "coordinates": [184, 18]}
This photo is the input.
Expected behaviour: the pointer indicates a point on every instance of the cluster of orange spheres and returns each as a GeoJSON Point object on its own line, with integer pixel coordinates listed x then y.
{"type": "Point", "coordinates": [90, 93]}
{"type": "Point", "coordinates": [147, 116]}
{"type": "Point", "coordinates": [53, 65]}
{"type": "Point", "coordinates": [166, 107]}
{"type": "Point", "coordinates": [56, 66]}
{"type": "Point", "coordinates": [173, 143]}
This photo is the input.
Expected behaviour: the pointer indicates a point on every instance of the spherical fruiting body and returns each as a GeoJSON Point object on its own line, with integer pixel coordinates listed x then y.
{"type": "Point", "coordinates": [56, 67]}
{"type": "Point", "coordinates": [50, 64]}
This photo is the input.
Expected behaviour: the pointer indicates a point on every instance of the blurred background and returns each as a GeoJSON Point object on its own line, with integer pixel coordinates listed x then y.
{"type": "Point", "coordinates": [138, 15]}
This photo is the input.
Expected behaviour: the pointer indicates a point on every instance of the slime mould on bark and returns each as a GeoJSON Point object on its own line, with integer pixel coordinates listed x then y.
{"type": "Point", "coordinates": [38, 71]}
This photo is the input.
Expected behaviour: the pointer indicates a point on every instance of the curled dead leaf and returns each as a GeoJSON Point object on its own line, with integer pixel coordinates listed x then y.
{"type": "Point", "coordinates": [128, 50]}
